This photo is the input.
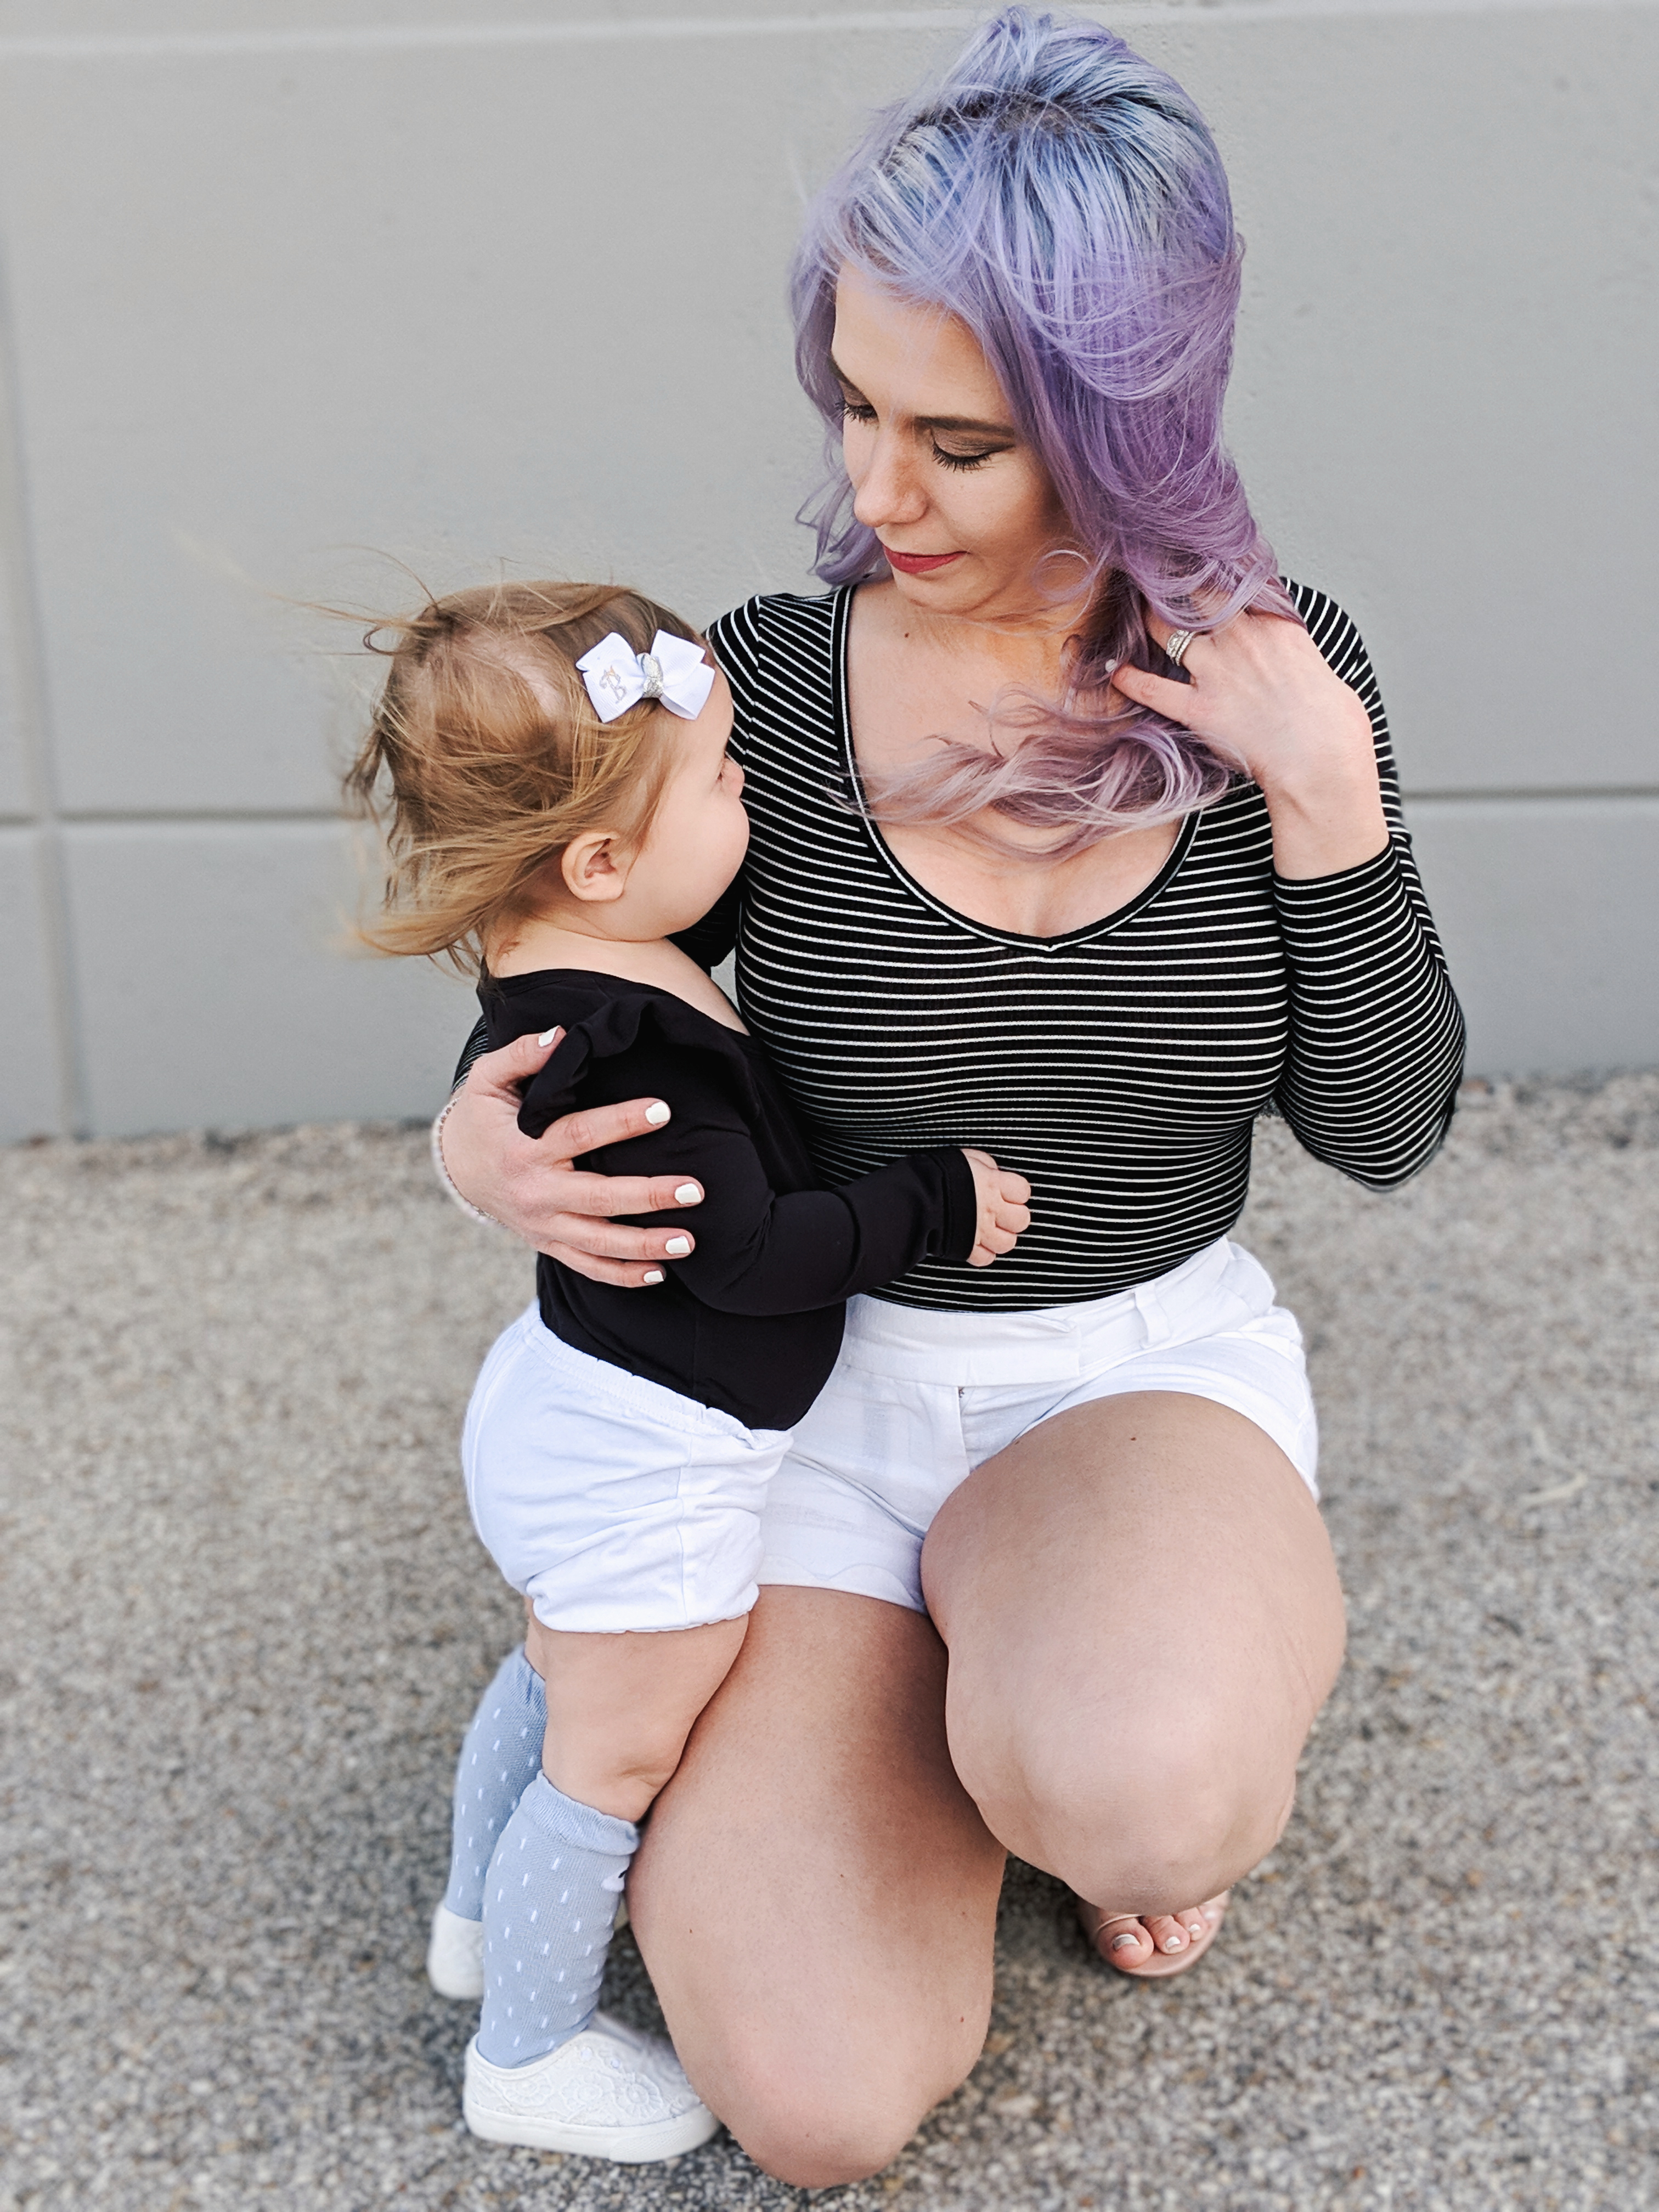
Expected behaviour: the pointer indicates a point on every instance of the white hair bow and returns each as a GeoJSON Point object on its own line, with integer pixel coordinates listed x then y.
{"type": "Point", "coordinates": [674, 671]}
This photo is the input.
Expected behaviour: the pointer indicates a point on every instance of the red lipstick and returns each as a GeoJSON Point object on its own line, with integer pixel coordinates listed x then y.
{"type": "Point", "coordinates": [918, 564]}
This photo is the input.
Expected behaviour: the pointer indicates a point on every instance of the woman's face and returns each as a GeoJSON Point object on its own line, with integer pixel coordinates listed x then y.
{"type": "Point", "coordinates": [962, 506]}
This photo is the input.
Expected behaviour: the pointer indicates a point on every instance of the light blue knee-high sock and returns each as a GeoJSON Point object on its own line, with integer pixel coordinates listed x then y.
{"type": "Point", "coordinates": [500, 1758]}
{"type": "Point", "coordinates": [549, 1903]}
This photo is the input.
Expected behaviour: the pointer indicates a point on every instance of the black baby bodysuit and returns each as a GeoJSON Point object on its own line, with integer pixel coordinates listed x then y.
{"type": "Point", "coordinates": [751, 1322]}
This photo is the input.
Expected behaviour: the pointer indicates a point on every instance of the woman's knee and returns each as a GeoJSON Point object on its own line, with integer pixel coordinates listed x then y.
{"type": "Point", "coordinates": [1152, 1811]}
{"type": "Point", "coordinates": [821, 2114]}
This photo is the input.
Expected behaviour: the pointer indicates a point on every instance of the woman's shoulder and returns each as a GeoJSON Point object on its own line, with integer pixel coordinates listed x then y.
{"type": "Point", "coordinates": [778, 652]}
{"type": "Point", "coordinates": [1333, 631]}
{"type": "Point", "coordinates": [775, 637]}
{"type": "Point", "coordinates": [1336, 633]}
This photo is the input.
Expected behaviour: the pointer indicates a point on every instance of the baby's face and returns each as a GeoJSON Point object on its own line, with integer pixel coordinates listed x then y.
{"type": "Point", "coordinates": [700, 833]}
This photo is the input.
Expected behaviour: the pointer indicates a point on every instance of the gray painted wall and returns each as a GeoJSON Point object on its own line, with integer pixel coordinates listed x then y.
{"type": "Point", "coordinates": [285, 280]}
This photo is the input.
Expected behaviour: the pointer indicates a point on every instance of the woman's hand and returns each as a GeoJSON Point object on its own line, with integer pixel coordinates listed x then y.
{"type": "Point", "coordinates": [529, 1185]}
{"type": "Point", "coordinates": [1003, 1211]}
{"type": "Point", "coordinates": [1263, 692]}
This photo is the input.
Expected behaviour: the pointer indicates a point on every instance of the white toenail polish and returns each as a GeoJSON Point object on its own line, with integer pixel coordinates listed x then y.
{"type": "Point", "coordinates": [1119, 1942]}
{"type": "Point", "coordinates": [1173, 1944]}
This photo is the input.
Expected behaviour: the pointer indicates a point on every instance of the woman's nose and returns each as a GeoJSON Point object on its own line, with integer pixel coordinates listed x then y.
{"type": "Point", "coordinates": [887, 493]}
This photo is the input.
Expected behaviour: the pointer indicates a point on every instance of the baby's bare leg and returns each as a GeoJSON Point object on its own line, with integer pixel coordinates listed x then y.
{"type": "Point", "coordinates": [620, 1708]}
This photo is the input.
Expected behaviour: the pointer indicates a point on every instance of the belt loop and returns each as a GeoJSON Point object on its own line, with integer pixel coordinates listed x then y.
{"type": "Point", "coordinates": [1153, 1318]}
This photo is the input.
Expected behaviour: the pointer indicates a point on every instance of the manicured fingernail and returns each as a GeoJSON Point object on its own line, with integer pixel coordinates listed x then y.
{"type": "Point", "coordinates": [656, 1115]}
{"type": "Point", "coordinates": [548, 1035]}
{"type": "Point", "coordinates": [678, 1247]}
{"type": "Point", "coordinates": [654, 1274]}
{"type": "Point", "coordinates": [687, 1193]}
{"type": "Point", "coordinates": [1119, 1943]}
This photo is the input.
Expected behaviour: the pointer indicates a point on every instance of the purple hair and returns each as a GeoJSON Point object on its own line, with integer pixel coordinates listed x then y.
{"type": "Point", "coordinates": [1066, 202]}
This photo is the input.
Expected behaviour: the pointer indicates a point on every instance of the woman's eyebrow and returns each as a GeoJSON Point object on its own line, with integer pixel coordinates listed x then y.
{"type": "Point", "coordinates": [966, 423]}
{"type": "Point", "coordinates": [933, 422]}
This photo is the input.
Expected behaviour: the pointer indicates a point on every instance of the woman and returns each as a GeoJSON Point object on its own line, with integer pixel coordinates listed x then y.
{"type": "Point", "coordinates": [1076, 834]}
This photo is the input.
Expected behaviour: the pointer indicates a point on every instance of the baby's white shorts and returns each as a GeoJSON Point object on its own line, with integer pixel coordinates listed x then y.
{"type": "Point", "coordinates": [918, 1399]}
{"type": "Point", "coordinates": [610, 1502]}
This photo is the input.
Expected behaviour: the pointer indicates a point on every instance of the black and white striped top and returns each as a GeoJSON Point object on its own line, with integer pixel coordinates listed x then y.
{"type": "Point", "coordinates": [1121, 1067]}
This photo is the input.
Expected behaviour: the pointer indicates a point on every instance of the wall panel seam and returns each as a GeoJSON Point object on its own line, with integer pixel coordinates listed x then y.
{"type": "Point", "coordinates": [22, 615]}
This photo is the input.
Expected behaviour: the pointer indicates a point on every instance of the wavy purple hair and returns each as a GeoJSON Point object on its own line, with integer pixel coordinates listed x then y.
{"type": "Point", "coordinates": [1066, 202]}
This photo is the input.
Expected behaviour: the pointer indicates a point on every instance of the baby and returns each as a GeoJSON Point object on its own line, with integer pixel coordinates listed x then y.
{"type": "Point", "coordinates": [561, 804]}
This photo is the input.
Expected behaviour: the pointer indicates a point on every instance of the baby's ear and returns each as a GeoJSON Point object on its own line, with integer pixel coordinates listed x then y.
{"type": "Point", "coordinates": [590, 866]}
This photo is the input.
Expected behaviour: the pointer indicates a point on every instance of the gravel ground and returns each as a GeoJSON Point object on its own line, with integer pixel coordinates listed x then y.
{"type": "Point", "coordinates": [245, 1621]}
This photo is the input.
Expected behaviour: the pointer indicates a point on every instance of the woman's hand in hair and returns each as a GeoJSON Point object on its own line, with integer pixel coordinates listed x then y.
{"type": "Point", "coordinates": [531, 1186]}
{"type": "Point", "coordinates": [1263, 692]}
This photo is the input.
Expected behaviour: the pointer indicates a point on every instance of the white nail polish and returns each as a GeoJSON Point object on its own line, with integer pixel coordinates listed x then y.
{"type": "Point", "coordinates": [656, 1115]}
{"type": "Point", "coordinates": [678, 1247]}
{"type": "Point", "coordinates": [1172, 1942]}
{"type": "Point", "coordinates": [547, 1036]}
{"type": "Point", "coordinates": [687, 1193]}
{"type": "Point", "coordinates": [654, 1274]}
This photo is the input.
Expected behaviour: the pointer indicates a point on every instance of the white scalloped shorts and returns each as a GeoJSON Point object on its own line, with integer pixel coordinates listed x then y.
{"type": "Point", "coordinates": [608, 1501]}
{"type": "Point", "coordinates": [918, 1399]}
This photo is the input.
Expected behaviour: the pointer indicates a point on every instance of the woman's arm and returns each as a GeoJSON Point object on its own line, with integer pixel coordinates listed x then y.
{"type": "Point", "coordinates": [1375, 1049]}
{"type": "Point", "coordinates": [760, 1251]}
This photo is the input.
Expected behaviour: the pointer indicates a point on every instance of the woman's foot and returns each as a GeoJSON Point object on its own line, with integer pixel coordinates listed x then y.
{"type": "Point", "coordinates": [1151, 1948]}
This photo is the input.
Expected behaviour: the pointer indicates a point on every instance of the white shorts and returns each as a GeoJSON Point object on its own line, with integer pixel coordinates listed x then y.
{"type": "Point", "coordinates": [918, 1399]}
{"type": "Point", "coordinates": [610, 1502]}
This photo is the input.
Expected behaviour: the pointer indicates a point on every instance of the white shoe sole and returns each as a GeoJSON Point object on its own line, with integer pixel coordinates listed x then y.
{"type": "Point", "coordinates": [622, 2146]}
{"type": "Point", "coordinates": [499, 2103]}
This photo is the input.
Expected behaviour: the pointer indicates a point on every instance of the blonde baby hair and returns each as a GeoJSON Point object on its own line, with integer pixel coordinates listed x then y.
{"type": "Point", "coordinates": [484, 758]}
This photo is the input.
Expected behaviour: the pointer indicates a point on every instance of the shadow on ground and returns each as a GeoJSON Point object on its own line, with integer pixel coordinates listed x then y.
{"type": "Point", "coordinates": [245, 1621]}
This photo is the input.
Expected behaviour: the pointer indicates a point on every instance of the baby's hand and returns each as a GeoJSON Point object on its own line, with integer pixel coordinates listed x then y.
{"type": "Point", "coordinates": [1003, 1211]}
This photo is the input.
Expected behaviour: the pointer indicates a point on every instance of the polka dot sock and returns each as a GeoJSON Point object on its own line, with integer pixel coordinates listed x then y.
{"type": "Point", "coordinates": [549, 1899]}
{"type": "Point", "coordinates": [500, 1760]}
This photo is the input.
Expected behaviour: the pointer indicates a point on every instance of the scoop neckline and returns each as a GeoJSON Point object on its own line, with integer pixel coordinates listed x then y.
{"type": "Point", "coordinates": [839, 633]}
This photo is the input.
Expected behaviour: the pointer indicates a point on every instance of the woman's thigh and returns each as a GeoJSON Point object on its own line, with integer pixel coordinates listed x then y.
{"type": "Point", "coordinates": [816, 1894]}
{"type": "Point", "coordinates": [1143, 1617]}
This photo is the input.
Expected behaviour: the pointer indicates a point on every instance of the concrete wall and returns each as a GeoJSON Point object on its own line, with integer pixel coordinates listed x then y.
{"type": "Point", "coordinates": [285, 278]}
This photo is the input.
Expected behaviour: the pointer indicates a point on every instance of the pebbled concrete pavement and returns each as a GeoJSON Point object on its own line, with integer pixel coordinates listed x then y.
{"type": "Point", "coordinates": [244, 1621]}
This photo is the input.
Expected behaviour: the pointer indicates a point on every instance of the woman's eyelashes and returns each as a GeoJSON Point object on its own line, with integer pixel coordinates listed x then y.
{"type": "Point", "coordinates": [860, 410]}
{"type": "Point", "coordinates": [950, 460]}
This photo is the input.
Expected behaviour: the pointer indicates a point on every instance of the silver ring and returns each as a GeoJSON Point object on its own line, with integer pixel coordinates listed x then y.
{"type": "Point", "coordinates": [1175, 646]}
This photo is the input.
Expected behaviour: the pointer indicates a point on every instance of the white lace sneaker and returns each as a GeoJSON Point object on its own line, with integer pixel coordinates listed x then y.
{"type": "Point", "coordinates": [454, 1953]}
{"type": "Point", "coordinates": [609, 2093]}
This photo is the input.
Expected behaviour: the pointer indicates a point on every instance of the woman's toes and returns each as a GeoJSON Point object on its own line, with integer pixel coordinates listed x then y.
{"type": "Point", "coordinates": [1158, 1945]}
{"type": "Point", "coordinates": [1122, 1939]}
{"type": "Point", "coordinates": [1166, 1932]}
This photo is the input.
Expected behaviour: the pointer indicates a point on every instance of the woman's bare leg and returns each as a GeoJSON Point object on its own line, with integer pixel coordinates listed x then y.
{"type": "Point", "coordinates": [1143, 1618]}
{"type": "Point", "coordinates": [816, 1895]}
